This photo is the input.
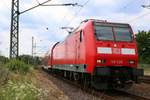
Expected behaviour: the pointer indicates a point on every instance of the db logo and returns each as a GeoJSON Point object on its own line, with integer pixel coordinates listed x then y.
{"type": "Point", "coordinates": [116, 51]}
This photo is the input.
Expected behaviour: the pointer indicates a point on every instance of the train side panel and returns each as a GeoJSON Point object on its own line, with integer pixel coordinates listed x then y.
{"type": "Point", "coordinates": [59, 53]}
{"type": "Point", "coordinates": [70, 54]}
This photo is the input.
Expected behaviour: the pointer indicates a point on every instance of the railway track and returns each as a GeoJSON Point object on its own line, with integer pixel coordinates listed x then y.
{"type": "Point", "coordinates": [145, 79]}
{"type": "Point", "coordinates": [103, 95]}
{"type": "Point", "coordinates": [131, 96]}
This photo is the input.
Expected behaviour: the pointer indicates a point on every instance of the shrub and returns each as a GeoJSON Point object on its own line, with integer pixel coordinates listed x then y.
{"type": "Point", "coordinates": [3, 59]}
{"type": "Point", "coordinates": [17, 66]}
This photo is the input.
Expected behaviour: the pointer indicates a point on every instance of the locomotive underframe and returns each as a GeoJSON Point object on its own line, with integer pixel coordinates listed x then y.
{"type": "Point", "coordinates": [103, 77]}
{"type": "Point", "coordinates": [115, 77]}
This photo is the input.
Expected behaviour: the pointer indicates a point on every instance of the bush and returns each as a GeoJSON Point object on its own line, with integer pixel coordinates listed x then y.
{"type": "Point", "coordinates": [3, 60]}
{"type": "Point", "coordinates": [17, 66]}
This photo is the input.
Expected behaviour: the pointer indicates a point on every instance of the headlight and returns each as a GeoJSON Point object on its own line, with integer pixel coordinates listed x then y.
{"type": "Point", "coordinates": [131, 62]}
{"type": "Point", "coordinates": [102, 61]}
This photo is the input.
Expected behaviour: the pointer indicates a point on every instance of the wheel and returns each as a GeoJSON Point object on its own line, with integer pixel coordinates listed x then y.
{"type": "Point", "coordinates": [76, 76]}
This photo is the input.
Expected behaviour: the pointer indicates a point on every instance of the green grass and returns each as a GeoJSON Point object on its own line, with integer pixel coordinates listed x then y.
{"type": "Point", "coordinates": [147, 70]}
{"type": "Point", "coordinates": [18, 90]}
{"type": "Point", "coordinates": [17, 82]}
{"type": "Point", "coordinates": [22, 87]}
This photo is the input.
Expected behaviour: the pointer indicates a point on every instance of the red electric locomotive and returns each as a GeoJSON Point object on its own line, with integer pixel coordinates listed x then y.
{"type": "Point", "coordinates": [103, 52]}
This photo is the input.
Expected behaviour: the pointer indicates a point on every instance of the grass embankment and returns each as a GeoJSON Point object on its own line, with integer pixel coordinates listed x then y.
{"type": "Point", "coordinates": [17, 82]}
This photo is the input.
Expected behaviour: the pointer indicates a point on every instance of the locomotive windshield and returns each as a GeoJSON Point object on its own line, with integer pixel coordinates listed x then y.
{"type": "Point", "coordinates": [122, 34]}
{"type": "Point", "coordinates": [113, 32]}
{"type": "Point", "coordinates": [104, 33]}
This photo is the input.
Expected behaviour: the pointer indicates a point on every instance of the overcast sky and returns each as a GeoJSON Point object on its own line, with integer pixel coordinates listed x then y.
{"type": "Point", "coordinates": [44, 22]}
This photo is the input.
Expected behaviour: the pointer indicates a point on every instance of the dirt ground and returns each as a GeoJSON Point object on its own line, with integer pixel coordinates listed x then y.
{"type": "Point", "coordinates": [54, 93]}
{"type": "Point", "coordinates": [141, 89]}
{"type": "Point", "coordinates": [59, 90]}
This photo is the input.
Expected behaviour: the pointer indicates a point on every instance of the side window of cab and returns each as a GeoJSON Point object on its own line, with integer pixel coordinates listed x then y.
{"type": "Point", "coordinates": [81, 35]}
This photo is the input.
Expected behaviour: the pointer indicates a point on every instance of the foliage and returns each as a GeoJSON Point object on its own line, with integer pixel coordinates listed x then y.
{"type": "Point", "coordinates": [30, 60]}
{"type": "Point", "coordinates": [3, 59]}
{"type": "Point", "coordinates": [18, 90]}
{"type": "Point", "coordinates": [143, 43]}
{"type": "Point", "coordinates": [17, 66]}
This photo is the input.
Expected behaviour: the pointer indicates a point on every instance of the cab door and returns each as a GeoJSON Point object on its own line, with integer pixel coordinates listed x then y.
{"type": "Point", "coordinates": [78, 46]}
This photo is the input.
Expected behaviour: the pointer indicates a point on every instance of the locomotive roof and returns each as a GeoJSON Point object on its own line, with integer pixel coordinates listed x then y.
{"type": "Point", "coordinates": [101, 22]}
{"type": "Point", "coordinates": [104, 22]}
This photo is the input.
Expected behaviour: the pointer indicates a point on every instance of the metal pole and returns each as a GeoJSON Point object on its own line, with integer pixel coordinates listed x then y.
{"type": "Point", "coordinates": [32, 45]}
{"type": "Point", "coordinates": [14, 31]}
{"type": "Point", "coordinates": [14, 36]}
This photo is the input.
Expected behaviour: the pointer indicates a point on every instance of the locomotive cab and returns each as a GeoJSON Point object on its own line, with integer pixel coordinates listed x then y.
{"type": "Point", "coordinates": [116, 55]}
{"type": "Point", "coordinates": [115, 45]}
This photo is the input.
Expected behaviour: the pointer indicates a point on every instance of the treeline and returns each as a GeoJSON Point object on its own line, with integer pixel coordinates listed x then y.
{"type": "Point", "coordinates": [30, 60]}
{"type": "Point", "coordinates": [24, 58]}
{"type": "Point", "coordinates": [143, 43]}
{"type": "Point", "coordinates": [22, 64]}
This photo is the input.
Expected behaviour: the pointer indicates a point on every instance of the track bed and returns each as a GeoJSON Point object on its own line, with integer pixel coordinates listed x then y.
{"type": "Point", "coordinates": [75, 91]}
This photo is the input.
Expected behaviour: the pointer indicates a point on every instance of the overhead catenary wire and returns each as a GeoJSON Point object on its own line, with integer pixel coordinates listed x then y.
{"type": "Point", "coordinates": [14, 33]}
{"type": "Point", "coordinates": [75, 15]}
{"type": "Point", "coordinates": [63, 18]}
{"type": "Point", "coordinates": [138, 17]}
{"type": "Point", "coordinates": [65, 4]}
{"type": "Point", "coordinates": [146, 6]}
{"type": "Point", "coordinates": [35, 6]}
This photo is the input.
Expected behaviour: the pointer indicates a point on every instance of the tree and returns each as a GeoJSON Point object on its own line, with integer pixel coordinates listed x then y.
{"type": "Point", "coordinates": [3, 59]}
{"type": "Point", "coordinates": [143, 43]}
{"type": "Point", "coordinates": [30, 60]}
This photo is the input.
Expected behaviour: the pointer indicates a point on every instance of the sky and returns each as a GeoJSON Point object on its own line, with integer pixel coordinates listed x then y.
{"type": "Point", "coordinates": [44, 23]}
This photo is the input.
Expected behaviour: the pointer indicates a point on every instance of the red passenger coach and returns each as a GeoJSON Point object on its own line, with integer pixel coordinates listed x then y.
{"type": "Point", "coordinates": [101, 51]}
